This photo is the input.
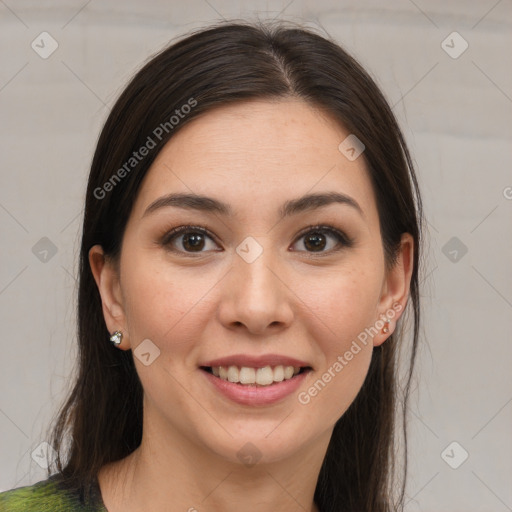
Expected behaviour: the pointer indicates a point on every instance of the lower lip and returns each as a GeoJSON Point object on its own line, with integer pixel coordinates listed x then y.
{"type": "Point", "coordinates": [256, 395]}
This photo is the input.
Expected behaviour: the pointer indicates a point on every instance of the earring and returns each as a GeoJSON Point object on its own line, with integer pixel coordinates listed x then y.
{"type": "Point", "coordinates": [385, 329]}
{"type": "Point", "coordinates": [117, 338]}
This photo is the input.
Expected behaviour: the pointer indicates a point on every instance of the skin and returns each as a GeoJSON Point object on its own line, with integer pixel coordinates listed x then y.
{"type": "Point", "coordinates": [198, 306]}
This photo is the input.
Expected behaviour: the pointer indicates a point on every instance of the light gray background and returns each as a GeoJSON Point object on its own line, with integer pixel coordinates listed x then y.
{"type": "Point", "coordinates": [456, 114]}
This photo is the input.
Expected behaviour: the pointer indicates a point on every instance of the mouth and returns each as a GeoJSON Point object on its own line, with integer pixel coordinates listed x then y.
{"type": "Point", "coordinates": [255, 380]}
{"type": "Point", "coordinates": [256, 377]}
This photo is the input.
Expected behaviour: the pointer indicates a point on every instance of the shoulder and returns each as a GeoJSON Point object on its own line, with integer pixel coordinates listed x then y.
{"type": "Point", "coordinates": [45, 496]}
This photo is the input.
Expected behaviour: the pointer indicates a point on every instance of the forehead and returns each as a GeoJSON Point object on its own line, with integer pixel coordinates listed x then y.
{"type": "Point", "coordinates": [257, 154]}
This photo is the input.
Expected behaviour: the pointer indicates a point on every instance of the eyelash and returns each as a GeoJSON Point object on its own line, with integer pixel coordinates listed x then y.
{"type": "Point", "coordinates": [343, 240]}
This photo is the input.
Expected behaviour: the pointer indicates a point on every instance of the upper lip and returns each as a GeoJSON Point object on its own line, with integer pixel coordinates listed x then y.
{"type": "Point", "coordinates": [256, 361]}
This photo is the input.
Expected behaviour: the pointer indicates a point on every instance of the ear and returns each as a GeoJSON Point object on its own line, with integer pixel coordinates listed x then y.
{"type": "Point", "coordinates": [106, 275]}
{"type": "Point", "coordinates": [395, 289]}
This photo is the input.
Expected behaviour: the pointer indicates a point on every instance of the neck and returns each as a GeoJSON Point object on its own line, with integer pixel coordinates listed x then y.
{"type": "Point", "coordinates": [181, 476]}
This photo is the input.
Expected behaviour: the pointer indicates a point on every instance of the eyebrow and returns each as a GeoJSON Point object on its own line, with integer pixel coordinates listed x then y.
{"type": "Point", "coordinates": [292, 207]}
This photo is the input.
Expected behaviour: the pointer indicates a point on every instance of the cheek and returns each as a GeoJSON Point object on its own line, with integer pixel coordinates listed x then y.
{"type": "Point", "coordinates": [161, 300]}
{"type": "Point", "coordinates": [335, 387]}
{"type": "Point", "coordinates": [344, 307]}
{"type": "Point", "coordinates": [153, 301]}
{"type": "Point", "coordinates": [344, 303]}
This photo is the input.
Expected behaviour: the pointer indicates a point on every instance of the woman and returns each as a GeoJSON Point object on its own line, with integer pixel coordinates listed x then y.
{"type": "Point", "coordinates": [250, 242]}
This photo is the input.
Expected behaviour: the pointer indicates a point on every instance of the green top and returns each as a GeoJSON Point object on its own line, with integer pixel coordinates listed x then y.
{"type": "Point", "coordinates": [49, 496]}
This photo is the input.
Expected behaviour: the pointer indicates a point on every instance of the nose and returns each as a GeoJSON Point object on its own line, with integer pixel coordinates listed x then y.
{"type": "Point", "coordinates": [256, 296]}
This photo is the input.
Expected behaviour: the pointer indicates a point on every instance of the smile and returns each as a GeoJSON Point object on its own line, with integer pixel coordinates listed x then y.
{"type": "Point", "coordinates": [265, 376]}
{"type": "Point", "coordinates": [255, 386]}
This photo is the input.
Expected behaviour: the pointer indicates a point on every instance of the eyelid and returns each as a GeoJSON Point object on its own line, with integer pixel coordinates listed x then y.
{"type": "Point", "coordinates": [323, 227]}
{"type": "Point", "coordinates": [169, 235]}
{"type": "Point", "coordinates": [343, 239]}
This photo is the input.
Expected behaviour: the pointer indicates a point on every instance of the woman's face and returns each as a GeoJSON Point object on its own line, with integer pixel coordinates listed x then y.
{"type": "Point", "coordinates": [252, 284]}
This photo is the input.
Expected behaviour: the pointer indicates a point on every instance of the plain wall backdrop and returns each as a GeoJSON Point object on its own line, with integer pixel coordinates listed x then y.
{"type": "Point", "coordinates": [444, 66]}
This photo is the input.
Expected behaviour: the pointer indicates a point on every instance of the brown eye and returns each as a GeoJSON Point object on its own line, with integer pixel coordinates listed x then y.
{"type": "Point", "coordinates": [193, 241]}
{"type": "Point", "coordinates": [315, 241]}
{"type": "Point", "coordinates": [188, 239]}
{"type": "Point", "coordinates": [324, 239]}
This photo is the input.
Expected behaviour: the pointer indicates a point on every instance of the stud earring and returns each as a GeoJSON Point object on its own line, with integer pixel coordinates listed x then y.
{"type": "Point", "coordinates": [117, 338]}
{"type": "Point", "coordinates": [385, 329]}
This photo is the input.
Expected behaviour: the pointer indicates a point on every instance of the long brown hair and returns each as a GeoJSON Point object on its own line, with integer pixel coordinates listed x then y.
{"type": "Point", "coordinates": [101, 420]}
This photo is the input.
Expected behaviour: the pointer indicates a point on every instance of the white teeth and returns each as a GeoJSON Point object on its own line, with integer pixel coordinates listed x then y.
{"type": "Point", "coordinates": [247, 375]}
{"type": "Point", "coordinates": [278, 374]}
{"type": "Point", "coordinates": [264, 376]}
{"type": "Point", "coordinates": [233, 374]}
{"type": "Point", "coordinates": [260, 376]}
{"type": "Point", "coordinates": [288, 372]}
